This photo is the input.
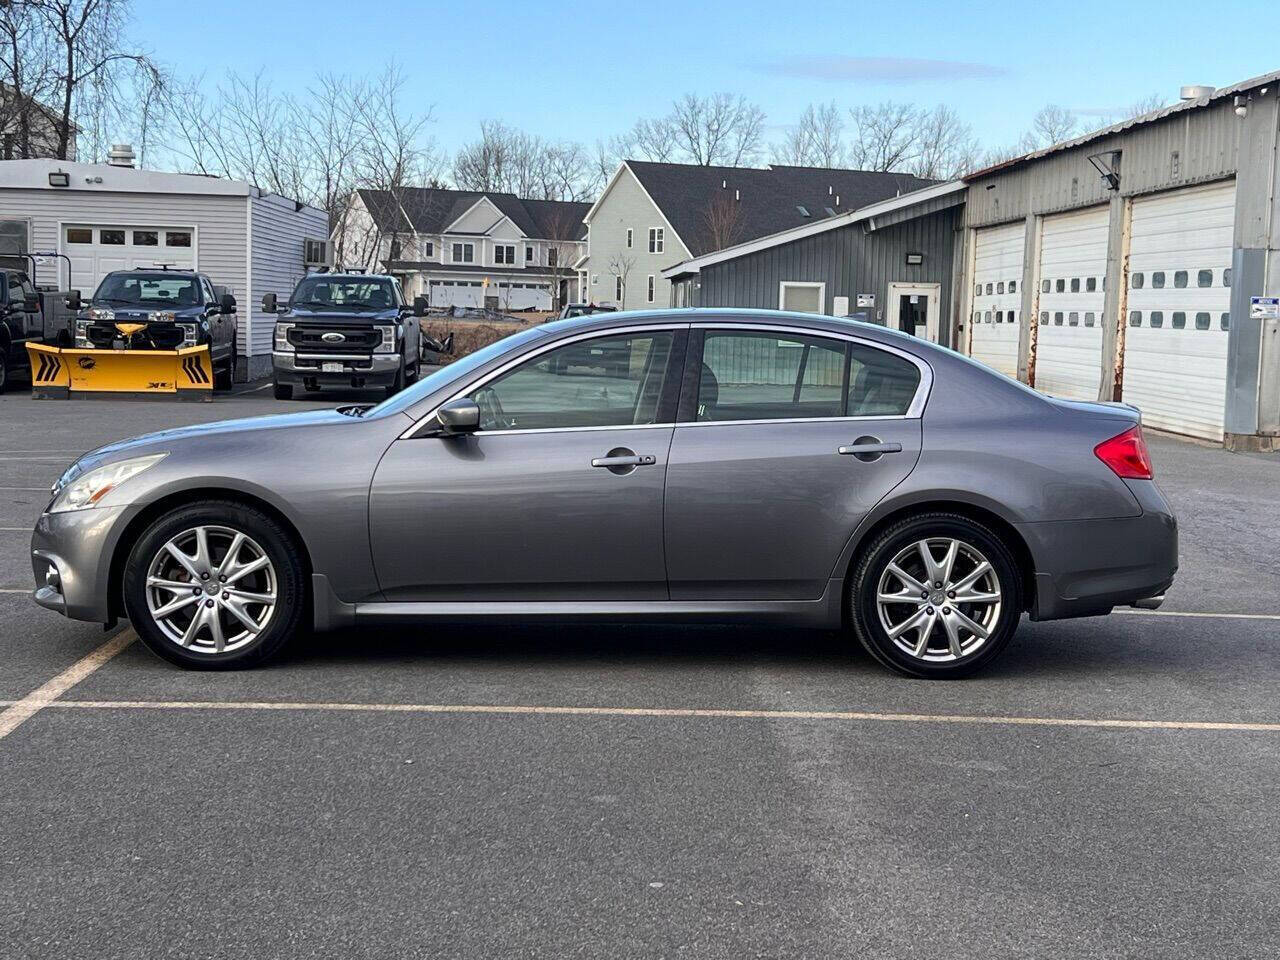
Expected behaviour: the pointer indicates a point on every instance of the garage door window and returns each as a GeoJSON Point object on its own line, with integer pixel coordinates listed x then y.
{"type": "Point", "coordinates": [605, 382]}
{"type": "Point", "coordinates": [1157, 280]}
{"type": "Point", "coordinates": [1157, 318]}
{"type": "Point", "coordinates": [1180, 279]}
{"type": "Point", "coordinates": [111, 237]}
{"type": "Point", "coordinates": [1204, 278]}
{"type": "Point", "coordinates": [1136, 281]}
{"type": "Point", "coordinates": [177, 238]}
{"type": "Point", "coordinates": [79, 235]}
{"type": "Point", "coordinates": [1202, 321]}
{"type": "Point", "coordinates": [1179, 320]}
{"type": "Point", "coordinates": [146, 238]}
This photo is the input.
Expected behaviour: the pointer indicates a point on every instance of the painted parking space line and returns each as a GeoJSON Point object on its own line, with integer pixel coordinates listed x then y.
{"type": "Point", "coordinates": [1191, 613]}
{"type": "Point", "coordinates": [20, 711]}
{"type": "Point", "coordinates": [710, 713]}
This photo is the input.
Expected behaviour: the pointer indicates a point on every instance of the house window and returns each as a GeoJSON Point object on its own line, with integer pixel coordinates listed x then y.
{"type": "Point", "coordinates": [629, 237]}
{"type": "Point", "coordinates": [528, 254]}
{"type": "Point", "coordinates": [428, 249]}
{"type": "Point", "coordinates": [652, 287]}
{"type": "Point", "coordinates": [464, 253]}
{"type": "Point", "coordinates": [617, 289]}
{"type": "Point", "coordinates": [112, 237]}
{"type": "Point", "coordinates": [657, 240]}
{"type": "Point", "coordinates": [553, 256]}
{"type": "Point", "coordinates": [504, 253]}
{"type": "Point", "coordinates": [176, 238]}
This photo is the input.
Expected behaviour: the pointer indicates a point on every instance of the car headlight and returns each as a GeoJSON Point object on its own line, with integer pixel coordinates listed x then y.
{"type": "Point", "coordinates": [97, 313]}
{"type": "Point", "coordinates": [164, 316]}
{"type": "Point", "coordinates": [82, 334]}
{"type": "Point", "coordinates": [388, 344]}
{"type": "Point", "coordinates": [190, 333]}
{"type": "Point", "coordinates": [282, 336]}
{"type": "Point", "coordinates": [75, 491]}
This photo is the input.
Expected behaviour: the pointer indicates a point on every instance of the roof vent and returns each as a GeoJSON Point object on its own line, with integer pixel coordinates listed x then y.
{"type": "Point", "coordinates": [1195, 91]}
{"type": "Point", "coordinates": [803, 211]}
{"type": "Point", "coordinates": [737, 195]}
{"type": "Point", "coordinates": [830, 190]}
{"type": "Point", "coordinates": [724, 184]}
{"type": "Point", "coordinates": [121, 155]}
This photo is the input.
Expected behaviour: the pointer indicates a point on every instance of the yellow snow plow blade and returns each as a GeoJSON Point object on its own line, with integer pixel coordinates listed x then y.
{"type": "Point", "coordinates": [62, 372]}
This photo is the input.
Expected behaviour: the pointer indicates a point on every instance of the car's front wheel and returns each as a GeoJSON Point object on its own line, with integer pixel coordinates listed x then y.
{"type": "Point", "coordinates": [936, 596]}
{"type": "Point", "coordinates": [214, 585]}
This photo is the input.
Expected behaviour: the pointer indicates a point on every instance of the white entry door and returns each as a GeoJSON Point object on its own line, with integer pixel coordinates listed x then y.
{"type": "Point", "coordinates": [1175, 346]}
{"type": "Point", "coordinates": [1073, 270]}
{"type": "Point", "coordinates": [997, 298]}
{"type": "Point", "coordinates": [913, 309]}
{"type": "Point", "coordinates": [97, 249]}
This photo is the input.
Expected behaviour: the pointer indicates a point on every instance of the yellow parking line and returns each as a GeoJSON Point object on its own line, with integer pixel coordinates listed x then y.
{"type": "Point", "coordinates": [23, 710]}
{"type": "Point", "coordinates": [676, 712]}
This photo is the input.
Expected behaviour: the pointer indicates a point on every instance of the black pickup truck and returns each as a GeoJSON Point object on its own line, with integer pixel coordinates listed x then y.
{"type": "Point", "coordinates": [21, 320]}
{"type": "Point", "coordinates": [351, 330]}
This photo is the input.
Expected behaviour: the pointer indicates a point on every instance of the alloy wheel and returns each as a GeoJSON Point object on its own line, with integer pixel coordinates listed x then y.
{"type": "Point", "coordinates": [211, 589]}
{"type": "Point", "coordinates": [939, 600]}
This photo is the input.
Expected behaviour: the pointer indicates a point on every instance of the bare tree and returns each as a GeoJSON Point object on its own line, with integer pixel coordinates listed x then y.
{"type": "Point", "coordinates": [27, 81]}
{"type": "Point", "coordinates": [722, 221]}
{"type": "Point", "coordinates": [1051, 124]}
{"type": "Point", "coordinates": [620, 266]}
{"type": "Point", "coordinates": [648, 139]}
{"type": "Point", "coordinates": [508, 160]}
{"type": "Point", "coordinates": [816, 141]}
{"type": "Point", "coordinates": [883, 136]}
{"type": "Point", "coordinates": [944, 147]}
{"type": "Point", "coordinates": [718, 130]}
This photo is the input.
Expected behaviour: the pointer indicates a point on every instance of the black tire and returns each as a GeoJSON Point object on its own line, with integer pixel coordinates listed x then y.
{"type": "Point", "coordinates": [865, 614]}
{"type": "Point", "coordinates": [398, 383]}
{"type": "Point", "coordinates": [282, 391]}
{"type": "Point", "coordinates": [224, 379]}
{"type": "Point", "coordinates": [264, 532]}
{"type": "Point", "coordinates": [4, 366]}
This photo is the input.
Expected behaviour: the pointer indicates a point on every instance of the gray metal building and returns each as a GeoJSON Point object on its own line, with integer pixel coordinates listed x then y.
{"type": "Point", "coordinates": [891, 262]}
{"type": "Point", "coordinates": [1123, 265]}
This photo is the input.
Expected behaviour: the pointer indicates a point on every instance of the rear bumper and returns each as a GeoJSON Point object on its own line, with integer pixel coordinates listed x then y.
{"type": "Point", "coordinates": [368, 370]}
{"type": "Point", "coordinates": [1085, 568]}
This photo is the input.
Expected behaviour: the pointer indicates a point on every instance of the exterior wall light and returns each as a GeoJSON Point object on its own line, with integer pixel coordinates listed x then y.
{"type": "Point", "coordinates": [59, 178]}
{"type": "Point", "coordinates": [915, 259]}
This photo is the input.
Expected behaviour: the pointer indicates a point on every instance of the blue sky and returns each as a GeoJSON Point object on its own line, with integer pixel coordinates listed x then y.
{"type": "Point", "coordinates": [587, 70]}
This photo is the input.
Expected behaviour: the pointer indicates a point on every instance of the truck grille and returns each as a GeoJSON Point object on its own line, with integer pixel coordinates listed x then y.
{"type": "Point", "coordinates": [157, 336]}
{"type": "Point", "coordinates": [361, 339]}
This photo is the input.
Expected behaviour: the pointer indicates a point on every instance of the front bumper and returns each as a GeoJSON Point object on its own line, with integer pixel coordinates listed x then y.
{"type": "Point", "coordinates": [306, 370]}
{"type": "Point", "coordinates": [1085, 568]}
{"type": "Point", "coordinates": [77, 546]}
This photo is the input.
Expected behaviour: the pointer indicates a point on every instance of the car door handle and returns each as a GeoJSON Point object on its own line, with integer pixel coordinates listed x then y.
{"type": "Point", "coordinates": [869, 448]}
{"type": "Point", "coordinates": [634, 460]}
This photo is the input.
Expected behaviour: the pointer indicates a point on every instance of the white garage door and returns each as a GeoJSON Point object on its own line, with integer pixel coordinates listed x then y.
{"type": "Point", "coordinates": [1073, 269]}
{"type": "Point", "coordinates": [95, 250]}
{"type": "Point", "coordinates": [456, 293]}
{"type": "Point", "coordinates": [1175, 351]}
{"type": "Point", "coordinates": [997, 297]}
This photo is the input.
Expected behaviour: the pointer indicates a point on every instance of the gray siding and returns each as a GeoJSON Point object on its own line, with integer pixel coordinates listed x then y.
{"type": "Point", "coordinates": [850, 260]}
{"type": "Point", "coordinates": [219, 221]}
{"type": "Point", "coordinates": [279, 227]}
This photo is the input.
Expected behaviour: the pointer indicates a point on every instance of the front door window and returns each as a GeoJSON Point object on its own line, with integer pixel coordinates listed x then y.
{"type": "Point", "coordinates": [602, 382]}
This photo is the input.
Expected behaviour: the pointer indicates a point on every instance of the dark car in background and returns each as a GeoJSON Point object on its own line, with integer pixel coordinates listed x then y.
{"type": "Point", "coordinates": [160, 309]}
{"type": "Point", "coordinates": [759, 466]}
{"type": "Point", "coordinates": [351, 330]}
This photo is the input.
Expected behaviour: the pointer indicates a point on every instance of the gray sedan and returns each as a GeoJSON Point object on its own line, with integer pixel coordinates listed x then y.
{"type": "Point", "coordinates": [704, 464]}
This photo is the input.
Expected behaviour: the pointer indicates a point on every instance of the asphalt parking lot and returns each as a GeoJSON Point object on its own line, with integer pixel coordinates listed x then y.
{"type": "Point", "coordinates": [1109, 789]}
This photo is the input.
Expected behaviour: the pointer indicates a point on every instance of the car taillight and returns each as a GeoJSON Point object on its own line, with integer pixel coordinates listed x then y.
{"type": "Point", "coordinates": [1126, 454]}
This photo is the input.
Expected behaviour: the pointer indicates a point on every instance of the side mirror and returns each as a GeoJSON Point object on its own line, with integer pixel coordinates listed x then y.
{"type": "Point", "coordinates": [459, 416]}
{"type": "Point", "coordinates": [228, 303]}
{"type": "Point", "coordinates": [31, 302]}
{"type": "Point", "coordinates": [72, 300]}
{"type": "Point", "coordinates": [269, 303]}
{"type": "Point", "coordinates": [419, 306]}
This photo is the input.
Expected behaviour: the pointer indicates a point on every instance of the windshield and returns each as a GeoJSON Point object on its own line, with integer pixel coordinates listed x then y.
{"type": "Point", "coordinates": [405, 399]}
{"type": "Point", "coordinates": [360, 293]}
{"type": "Point", "coordinates": [149, 290]}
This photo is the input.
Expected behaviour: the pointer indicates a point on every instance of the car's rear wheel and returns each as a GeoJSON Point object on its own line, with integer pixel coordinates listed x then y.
{"type": "Point", "coordinates": [214, 585]}
{"type": "Point", "coordinates": [936, 596]}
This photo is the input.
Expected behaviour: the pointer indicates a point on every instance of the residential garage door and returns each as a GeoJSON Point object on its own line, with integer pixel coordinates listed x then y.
{"type": "Point", "coordinates": [1073, 269]}
{"type": "Point", "coordinates": [95, 250]}
{"type": "Point", "coordinates": [997, 297]}
{"type": "Point", "coordinates": [1175, 351]}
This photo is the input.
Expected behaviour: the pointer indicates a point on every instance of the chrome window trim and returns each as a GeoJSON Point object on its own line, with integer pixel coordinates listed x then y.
{"type": "Point", "coordinates": [914, 412]}
{"type": "Point", "coordinates": [536, 352]}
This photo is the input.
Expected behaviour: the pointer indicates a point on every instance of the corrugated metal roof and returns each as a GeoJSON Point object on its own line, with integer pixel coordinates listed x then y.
{"type": "Point", "coordinates": [1181, 107]}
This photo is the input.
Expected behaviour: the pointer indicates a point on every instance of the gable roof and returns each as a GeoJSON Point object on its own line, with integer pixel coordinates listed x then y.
{"type": "Point", "coordinates": [708, 206]}
{"type": "Point", "coordinates": [432, 209]}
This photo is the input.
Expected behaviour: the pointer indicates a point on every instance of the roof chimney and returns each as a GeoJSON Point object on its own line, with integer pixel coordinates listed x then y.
{"type": "Point", "coordinates": [121, 155]}
{"type": "Point", "coordinates": [1195, 92]}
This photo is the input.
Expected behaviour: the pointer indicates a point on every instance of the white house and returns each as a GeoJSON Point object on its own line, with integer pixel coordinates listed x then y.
{"type": "Point", "coordinates": [465, 248]}
{"type": "Point", "coordinates": [651, 216]}
{"type": "Point", "coordinates": [109, 216]}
